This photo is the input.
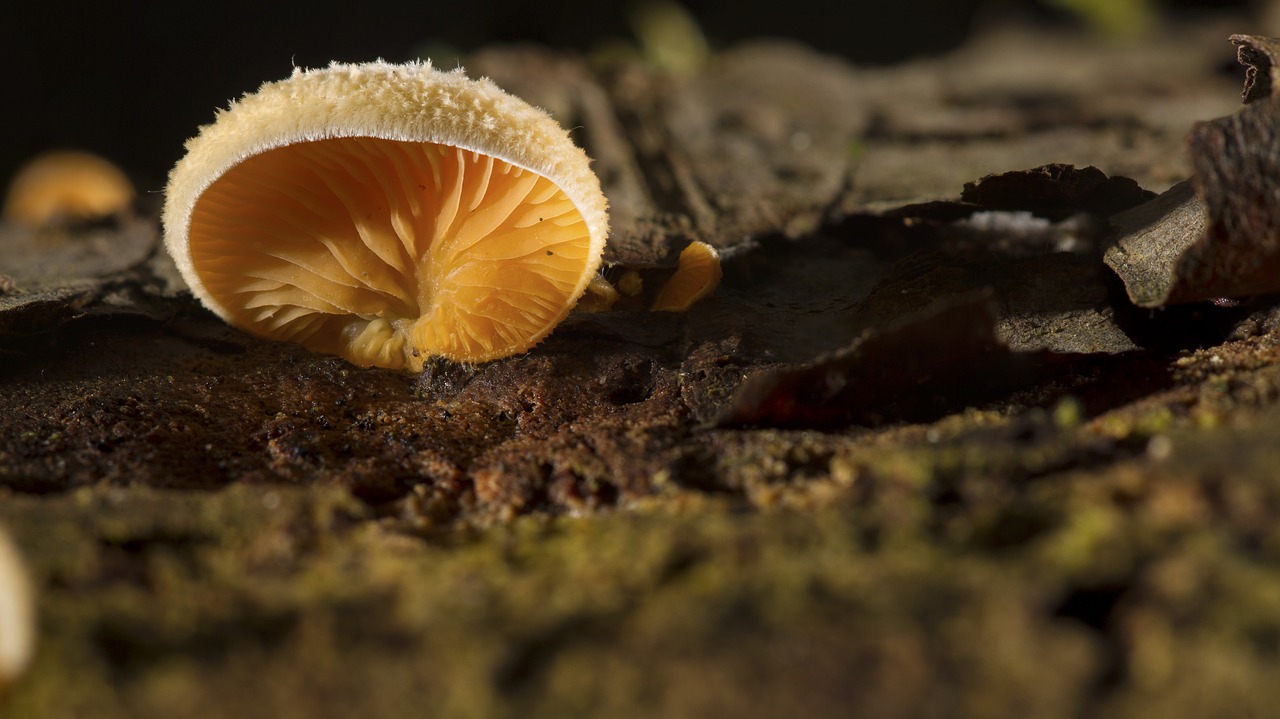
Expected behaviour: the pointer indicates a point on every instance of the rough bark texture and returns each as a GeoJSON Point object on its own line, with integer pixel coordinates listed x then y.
{"type": "Point", "coordinates": [919, 455]}
{"type": "Point", "coordinates": [1223, 241]}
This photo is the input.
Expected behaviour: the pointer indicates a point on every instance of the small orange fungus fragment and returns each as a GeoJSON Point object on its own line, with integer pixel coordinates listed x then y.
{"type": "Point", "coordinates": [386, 214]}
{"type": "Point", "coordinates": [631, 283]}
{"type": "Point", "coordinates": [599, 297]}
{"type": "Point", "coordinates": [697, 275]}
{"type": "Point", "coordinates": [66, 184]}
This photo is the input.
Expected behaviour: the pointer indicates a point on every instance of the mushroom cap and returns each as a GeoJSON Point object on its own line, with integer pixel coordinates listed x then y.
{"type": "Point", "coordinates": [387, 213]}
{"type": "Point", "coordinates": [66, 184]}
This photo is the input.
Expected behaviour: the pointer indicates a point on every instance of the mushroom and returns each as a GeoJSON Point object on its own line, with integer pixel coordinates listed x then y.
{"type": "Point", "coordinates": [386, 213]}
{"type": "Point", "coordinates": [697, 275]}
{"type": "Point", "coordinates": [17, 614]}
{"type": "Point", "coordinates": [66, 184]}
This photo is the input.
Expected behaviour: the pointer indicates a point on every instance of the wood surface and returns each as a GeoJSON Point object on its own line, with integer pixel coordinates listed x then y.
{"type": "Point", "coordinates": [920, 455]}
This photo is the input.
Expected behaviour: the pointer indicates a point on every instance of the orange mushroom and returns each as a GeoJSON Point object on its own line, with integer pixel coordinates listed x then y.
{"type": "Point", "coordinates": [697, 275]}
{"type": "Point", "coordinates": [386, 213]}
{"type": "Point", "coordinates": [66, 184]}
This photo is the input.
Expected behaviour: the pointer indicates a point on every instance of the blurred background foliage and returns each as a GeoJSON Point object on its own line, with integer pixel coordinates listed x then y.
{"type": "Point", "coordinates": [132, 81]}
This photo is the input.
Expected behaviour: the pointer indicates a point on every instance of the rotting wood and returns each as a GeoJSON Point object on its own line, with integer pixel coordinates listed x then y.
{"type": "Point", "coordinates": [219, 525]}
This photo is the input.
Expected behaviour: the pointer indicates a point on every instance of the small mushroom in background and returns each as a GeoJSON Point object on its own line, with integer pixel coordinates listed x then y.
{"type": "Point", "coordinates": [697, 275]}
{"type": "Point", "coordinates": [387, 213]}
{"type": "Point", "coordinates": [17, 615]}
{"type": "Point", "coordinates": [62, 185]}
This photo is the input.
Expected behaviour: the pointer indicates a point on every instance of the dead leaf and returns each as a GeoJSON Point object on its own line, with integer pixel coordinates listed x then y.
{"type": "Point", "coordinates": [946, 350]}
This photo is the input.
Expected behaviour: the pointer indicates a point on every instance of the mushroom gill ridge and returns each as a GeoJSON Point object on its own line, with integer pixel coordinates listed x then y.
{"type": "Point", "coordinates": [387, 251]}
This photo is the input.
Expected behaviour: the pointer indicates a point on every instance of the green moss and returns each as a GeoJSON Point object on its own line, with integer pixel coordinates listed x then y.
{"type": "Point", "coordinates": [951, 573]}
{"type": "Point", "coordinates": [1068, 413]}
{"type": "Point", "coordinates": [228, 604]}
{"type": "Point", "coordinates": [1116, 18]}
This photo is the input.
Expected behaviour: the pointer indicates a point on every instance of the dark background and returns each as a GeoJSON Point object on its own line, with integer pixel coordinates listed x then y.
{"type": "Point", "coordinates": [132, 81]}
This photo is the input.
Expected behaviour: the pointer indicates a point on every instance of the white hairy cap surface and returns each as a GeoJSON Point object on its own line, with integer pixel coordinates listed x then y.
{"type": "Point", "coordinates": [386, 213]}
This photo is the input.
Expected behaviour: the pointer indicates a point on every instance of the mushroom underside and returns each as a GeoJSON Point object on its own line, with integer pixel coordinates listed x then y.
{"type": "Point", "coordinates": [386, 252]}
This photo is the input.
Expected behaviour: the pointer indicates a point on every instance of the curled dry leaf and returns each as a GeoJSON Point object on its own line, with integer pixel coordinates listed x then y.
{"type": "Point", "coordinates": [1055, 191]}
{"type": "Point", "coordinates": [1218, 234]}
{"type": "Point", "coordinates": [948, 348]}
